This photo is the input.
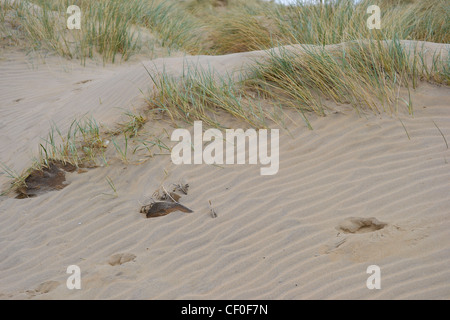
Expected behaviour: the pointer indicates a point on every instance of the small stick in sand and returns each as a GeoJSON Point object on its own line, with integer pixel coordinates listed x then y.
{"type": "Point", "coordinates": [172, 195]}
{"type": "Point", "coordinates": [183, 187]}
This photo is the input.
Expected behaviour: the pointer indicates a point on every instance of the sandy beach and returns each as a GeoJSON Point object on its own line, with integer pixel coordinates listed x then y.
{"type": "Point", "coordinates": [305, 232]}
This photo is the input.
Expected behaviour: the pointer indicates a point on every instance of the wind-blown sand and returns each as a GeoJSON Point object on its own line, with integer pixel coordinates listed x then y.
{"type": "Point", "coordinates": [275, 237]}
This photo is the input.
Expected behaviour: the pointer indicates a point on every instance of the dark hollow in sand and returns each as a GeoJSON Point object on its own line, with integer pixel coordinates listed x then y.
{"type": "Point", "coordinates": [48, 179]}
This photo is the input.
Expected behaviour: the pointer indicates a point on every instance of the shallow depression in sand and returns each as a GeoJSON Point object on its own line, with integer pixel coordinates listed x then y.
{"type": "Point", "coordinates": [47, 179]}
{"type": "Point", "coordinates": [360, 225]}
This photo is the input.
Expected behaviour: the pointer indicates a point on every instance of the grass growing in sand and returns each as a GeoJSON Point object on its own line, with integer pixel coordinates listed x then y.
{"type": "Point", "coordinates": [147, 145]}
{"type": "Point", "coordinates": [123, 152]}
{"type": "Point", "coordinates": [114, 27]}
{"type": "Point", "coordinates": [113, 188]}
{"type": "Point", "coordinates": [251, 25]}
{"type": "Point", "coordinates": [17, 180]}
{"type": "Point", "coordinates": [134, 123]}
{"type": "Point", "coordinates": [363, 74]}
{"type": "Point", "coordinates": [108, 27]}
{"type": "Point", "coordinates": [44, 28]}
{"type": "Point", "coordinates": [85, 145]}
{"type": "Point", "coordinates": [200, 94]}
{"type": "Point", "coordinates": [81, 145]}
{"type": "Point", "coordinates": [340, 21]}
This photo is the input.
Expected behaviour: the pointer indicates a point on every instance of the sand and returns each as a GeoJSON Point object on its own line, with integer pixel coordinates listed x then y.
{"type": "Point", "coordinates": [286, 236]}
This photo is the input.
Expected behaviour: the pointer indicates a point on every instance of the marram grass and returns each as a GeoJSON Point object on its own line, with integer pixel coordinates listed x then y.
{"type": "Point", "coordinates": [363, 74]}
{"type": "Point", "coordinates": [111, 28]}
{"type": "Point", "coordinates": [108, 27]}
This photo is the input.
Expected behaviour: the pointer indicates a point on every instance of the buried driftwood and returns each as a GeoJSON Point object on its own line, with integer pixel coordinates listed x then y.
{"type": "Point", "coordinates": [167, 202]}
{"type": "Point", "coordinates": [162, 208]}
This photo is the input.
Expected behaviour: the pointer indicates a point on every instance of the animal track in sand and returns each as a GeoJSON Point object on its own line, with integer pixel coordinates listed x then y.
{"type": "Point", "coordinates": [360, 225]}
{"type": "Point", "coordinates": [47, 286]}
{"type": "Point", "coordinates": [121, 258]}
{"type": "Point", "coordinates": [44, 287]}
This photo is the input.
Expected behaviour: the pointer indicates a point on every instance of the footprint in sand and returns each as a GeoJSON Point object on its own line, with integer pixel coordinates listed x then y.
{"type": "Point", "coordinates": [44, 287]}
{"type": "Point", "coordinates": [121, 258]}
{"type": "Point", "coordinates": [47, 286]}
{"type": "Point", "coordinates": [368, 239]}
{"type": "Point", "coordinates": [360, 225]}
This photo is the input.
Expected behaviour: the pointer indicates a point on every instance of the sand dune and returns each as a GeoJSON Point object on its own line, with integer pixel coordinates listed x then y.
{"type": "Point", "coordinates": [56, 92]}
{"type": "Point", "coordinates": [275, 237]}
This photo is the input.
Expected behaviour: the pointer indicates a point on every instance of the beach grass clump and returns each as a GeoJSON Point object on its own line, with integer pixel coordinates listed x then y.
{"type": "Point", "coordinates": [17, 180]}
{"type": "Point", "coordinates": [258, 25]}
{"type": "Point", "coordinates": [135, 121]}
{"type": "Point", "coordinates": [41, 27]}
{"type": "Point", "coordinates": [104, 28]}
{"type": "Point", "coordinates": [242, 27]}
{"type": "Point", "coordinates": [320, 24]}
{"type": "Point", "coordinates": [85, 144]}
{"type": "Point", "coordinates": [82, 144]}
{"type": "Point", "coordinates": [199, 94]}
{"type": "Point", "coordinates": [417, 20]}
{"type": "Point", "coordinates": [338, 21]}
{"type": "Point", "coordinates": [109, 28]}
{"type": "Point", "coordinates": [113, 28]}
{"type": "Point", "coordinates": [364, 74]}
{"type": "Point", "coordinates": [175, 27]}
